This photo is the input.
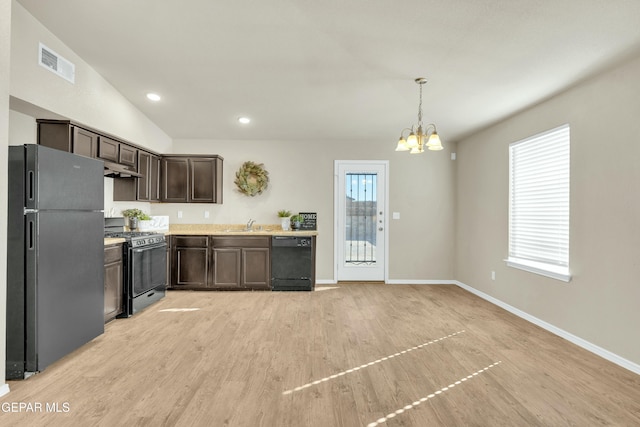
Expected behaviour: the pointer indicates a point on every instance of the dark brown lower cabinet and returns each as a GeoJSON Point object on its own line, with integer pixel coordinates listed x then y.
{"type": "Point", "coordinates": [169, 263]}
{"type": "Point", "coordinates": [241, 262]}
{"type": "Point", "coordinates": [256, 268]}
{"type": "Point", "coordinates": [113, 281]}
{"type": "Point", "coordinates": [190, 262]}
{"type": "Point", "coordinates": [225, 263]}
{"type": "Point", "coordinates": [225, 268]}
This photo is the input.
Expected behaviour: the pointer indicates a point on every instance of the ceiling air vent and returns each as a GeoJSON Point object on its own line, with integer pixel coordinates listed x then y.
{"type": "Point", "coordinates": [56, 63]}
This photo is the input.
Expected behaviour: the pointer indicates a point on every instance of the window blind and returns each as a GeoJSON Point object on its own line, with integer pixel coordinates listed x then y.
{"type": "Point", "coordinates": [539, 169]}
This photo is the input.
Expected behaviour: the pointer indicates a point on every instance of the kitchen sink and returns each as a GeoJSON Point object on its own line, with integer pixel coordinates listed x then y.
{"type": "Point", "coordinates": [244, 230]}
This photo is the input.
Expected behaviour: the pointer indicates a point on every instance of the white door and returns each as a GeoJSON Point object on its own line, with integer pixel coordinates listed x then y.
{"type": "Point", "coordinates": [360, 220]}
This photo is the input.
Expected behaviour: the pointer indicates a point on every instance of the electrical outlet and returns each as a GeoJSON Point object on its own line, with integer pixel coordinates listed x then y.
{"type": "Point", "coordinates": [179, 214]}
{"type": "Point", "coordinates": [493, 275]}
{"type": "Point", "coordinates": [206, 214]}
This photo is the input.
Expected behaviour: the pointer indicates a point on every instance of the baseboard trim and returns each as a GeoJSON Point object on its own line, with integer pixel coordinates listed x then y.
{"type": "Point", "coordinates": [4, 389]}
{"type": "Point", "coordinates": [420, 282]}
{"type": "Point", "coordinates": [606, 354]}
{"type": "Point", "coordinates": [580, 342]}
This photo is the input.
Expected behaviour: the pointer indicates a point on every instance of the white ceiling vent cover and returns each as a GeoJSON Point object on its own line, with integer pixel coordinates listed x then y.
{"type": "Point", "coordinates": [56, 63]}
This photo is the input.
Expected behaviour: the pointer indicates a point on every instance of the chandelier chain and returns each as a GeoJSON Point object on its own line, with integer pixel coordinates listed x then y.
{"type": "Point", "coordinates": [420, 108]}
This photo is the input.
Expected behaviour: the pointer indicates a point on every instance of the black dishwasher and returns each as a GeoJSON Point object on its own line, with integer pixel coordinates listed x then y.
{"type": "Point", "coordinates": [291, 263]}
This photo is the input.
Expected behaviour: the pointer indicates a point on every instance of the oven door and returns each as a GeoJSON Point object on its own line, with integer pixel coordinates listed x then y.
{"type": "Point", "coordinates": [148, 268]}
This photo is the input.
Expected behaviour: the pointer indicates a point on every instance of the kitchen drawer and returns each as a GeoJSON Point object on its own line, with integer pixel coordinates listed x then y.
{"type": "Point", "coordinates": [190, 241]}
{"type": "Point", "coordinates": [240, 241]}
{"type": "Point", "coordinates": [112, 254]}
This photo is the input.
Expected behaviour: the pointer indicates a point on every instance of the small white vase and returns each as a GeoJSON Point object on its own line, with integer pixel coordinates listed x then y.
{"type": "Point", "coordinates": [286, 223]}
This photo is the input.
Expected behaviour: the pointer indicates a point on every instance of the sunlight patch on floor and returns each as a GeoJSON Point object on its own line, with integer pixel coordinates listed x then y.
{"type": "Point", "coordinates": [430, 396]}
{"type": "Point", "coordinates": [366, 365]}
{"type": "Point", "coordinates": [326, 288]}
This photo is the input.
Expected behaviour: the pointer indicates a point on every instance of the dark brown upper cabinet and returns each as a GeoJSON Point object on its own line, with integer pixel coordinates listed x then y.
{"type": "Point", "coordinates": [74, 138]}
{"type": "Point", "coordinates": [176, 178]}
{"type": "Point", "coordinates": [118, 152]}
{"type": "Point", "coordinates": [191, 179]}
{"type": "Point", "coordinates": [85, 143]}
{"type": "Point", "coordinates": [145, 188]}
{"type": "Point", "coordinates": [148, 185]}
{"type": "Point", "coordinates": [128, 156]}
{"type": "Point", "coordinates": [64, 136]}
{"type": "Point", "coordinates": [144, 167]}
{"type": "Point", "coordinates": [108, 149]}
{"type": "Point", "coordinates": [154, 178]}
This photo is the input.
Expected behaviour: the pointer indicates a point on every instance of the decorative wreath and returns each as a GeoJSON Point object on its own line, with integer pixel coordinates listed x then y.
{"type": "Point", "coordinates": [252, 178]}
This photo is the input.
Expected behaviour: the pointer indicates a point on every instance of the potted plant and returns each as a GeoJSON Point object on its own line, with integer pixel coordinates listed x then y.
{"type": "Point", "coordinates": [284, 219]}
{"type": "Point", "coordinates": [133, 216]}
{"type": "Point", "coordinates": [296, 220]}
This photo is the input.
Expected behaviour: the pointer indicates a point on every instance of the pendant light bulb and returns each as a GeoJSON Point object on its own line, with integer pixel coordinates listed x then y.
{"type": "Point", "coordinates": [434, 143]}
{"type": "Point", "coordinates": [402, 145]}
{"type": "Point", "coordinates": [412, 140]}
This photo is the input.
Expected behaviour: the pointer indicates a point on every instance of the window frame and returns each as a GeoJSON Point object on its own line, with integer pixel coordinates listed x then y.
{"type": "Point", "coordinates": [559, 140]}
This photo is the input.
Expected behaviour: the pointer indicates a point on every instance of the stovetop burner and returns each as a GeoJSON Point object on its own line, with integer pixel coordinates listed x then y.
{"type": "Point", "coordinates": [114, 227]}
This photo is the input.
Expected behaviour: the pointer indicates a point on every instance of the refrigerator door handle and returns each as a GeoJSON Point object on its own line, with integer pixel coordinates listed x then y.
{"type": "Point", "coordinates": [31, 235]}
{"type": "Point", "coordinates": [31, 186]}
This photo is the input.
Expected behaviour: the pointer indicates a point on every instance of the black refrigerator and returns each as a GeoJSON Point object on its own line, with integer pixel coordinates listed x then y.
{"type": "Point", "coordinates": [55, 256]}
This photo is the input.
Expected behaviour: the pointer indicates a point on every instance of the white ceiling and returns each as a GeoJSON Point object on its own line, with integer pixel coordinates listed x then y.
{"type": "Point", "coordinates": [338, 69]}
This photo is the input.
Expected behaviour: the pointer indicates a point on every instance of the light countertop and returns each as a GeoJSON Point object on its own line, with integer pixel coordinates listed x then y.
{"type": "Point", "coordinates": [113, 240]}
{"type": "Point", "coordinates": [223, 230]}
{"type": "Point", "coordinates": [235, 229]}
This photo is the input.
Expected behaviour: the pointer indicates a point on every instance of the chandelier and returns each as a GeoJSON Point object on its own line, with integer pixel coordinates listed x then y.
{"type": "Point", "coordinates": [421, 136]}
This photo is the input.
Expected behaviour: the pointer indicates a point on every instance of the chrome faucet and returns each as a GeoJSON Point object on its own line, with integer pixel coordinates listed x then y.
{"type": "Point", "coordinates": [250, 223]}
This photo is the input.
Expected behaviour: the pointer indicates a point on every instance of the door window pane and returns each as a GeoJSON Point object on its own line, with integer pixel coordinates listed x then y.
{"type": "Point", "coordinates": [360, 218]}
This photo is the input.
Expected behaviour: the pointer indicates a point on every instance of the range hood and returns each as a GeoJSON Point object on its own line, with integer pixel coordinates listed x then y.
{"type": "Point", "coordinates": [115, 170]}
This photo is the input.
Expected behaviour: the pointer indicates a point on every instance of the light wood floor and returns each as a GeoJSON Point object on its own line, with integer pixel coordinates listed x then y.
{"type": "Point", "coordinates": [325, 359]}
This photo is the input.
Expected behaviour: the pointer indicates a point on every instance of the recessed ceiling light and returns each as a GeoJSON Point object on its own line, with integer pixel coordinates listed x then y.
{"type": "Point", "coordinates": [244, 120]}
{"type": "Point", "coordinates": [153, 96]}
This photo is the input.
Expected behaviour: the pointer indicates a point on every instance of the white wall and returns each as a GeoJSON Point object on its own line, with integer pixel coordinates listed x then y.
{"type": "Point", "coordinates": [22, 129]}
{"type": "Point", "coordinates": [600, 304]}
{"type": "Point", "coordinates": [301, 180]}
{"type": "Point", "coordinates": [91, 101]}
{"type": "Point", "coordinates": [5, 38]}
